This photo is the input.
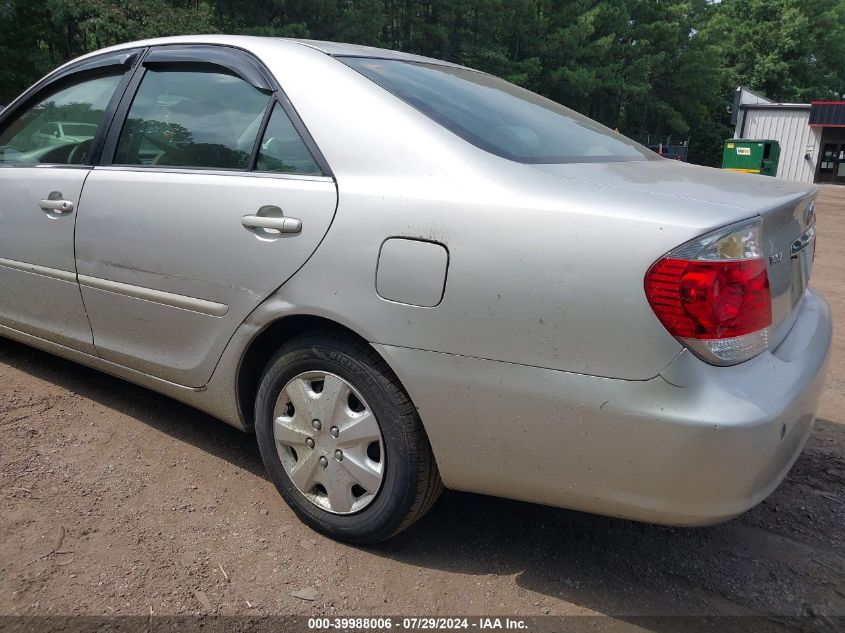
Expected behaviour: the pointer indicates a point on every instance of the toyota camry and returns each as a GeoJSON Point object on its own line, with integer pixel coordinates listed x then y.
{"type": "Point", "coordinates": [403, 274]}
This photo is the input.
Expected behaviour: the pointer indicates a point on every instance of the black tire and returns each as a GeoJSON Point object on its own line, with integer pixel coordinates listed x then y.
{"type": "Point", "coordinates": [411, 483]}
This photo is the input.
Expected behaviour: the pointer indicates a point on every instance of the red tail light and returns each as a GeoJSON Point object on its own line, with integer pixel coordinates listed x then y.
{"type": "Point", "coordinates": [710, 299]}
{"type": "Point", "coordinates": [713, 295]}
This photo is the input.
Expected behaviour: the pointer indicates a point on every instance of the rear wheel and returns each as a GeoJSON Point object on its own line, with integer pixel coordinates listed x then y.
{"type": "Point", "coordinates": [342, 441]}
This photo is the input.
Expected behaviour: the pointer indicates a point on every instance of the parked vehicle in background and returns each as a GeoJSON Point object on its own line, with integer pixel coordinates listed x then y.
{"type": "Point", "coordinates": [62, 133]}
{"type": "Point", "coordinates": [402, 274]}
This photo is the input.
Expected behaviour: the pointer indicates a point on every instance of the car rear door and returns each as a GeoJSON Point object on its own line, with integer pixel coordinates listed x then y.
{"type": "Point", "coordinates": [41, 183]}
{"type": "Point", "coordinates": [210, 196]}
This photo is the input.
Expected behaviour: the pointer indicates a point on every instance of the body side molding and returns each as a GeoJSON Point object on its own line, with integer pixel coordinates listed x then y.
{"type": "Point", "coordinates": [35, 269]}
{"type": "Point", "coordinates": [193, 304]}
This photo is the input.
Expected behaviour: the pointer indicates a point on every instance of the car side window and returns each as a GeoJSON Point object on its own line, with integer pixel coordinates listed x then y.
{"type": "Point", "coordinates": [283, 150]}
{"type": "Point", "coordinates": [59, 129]}
{"type": "Point", "coordinates": [194, 119]}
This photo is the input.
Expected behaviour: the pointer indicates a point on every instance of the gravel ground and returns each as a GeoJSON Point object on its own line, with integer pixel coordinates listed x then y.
{"type": "Point", "coordinates": [116, 500]}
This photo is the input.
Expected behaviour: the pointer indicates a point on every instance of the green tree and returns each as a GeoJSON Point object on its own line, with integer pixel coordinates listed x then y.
{"type": "Point", "coordinates": [788, 49]}
{"type": "Point", "coordinates": [37, 35]}
{"type": "Point", "coordinates": [651, 68]}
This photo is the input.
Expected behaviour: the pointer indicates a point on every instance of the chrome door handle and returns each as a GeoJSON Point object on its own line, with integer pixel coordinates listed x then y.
{"type": "Point", "coordinates": [282, 225]}
{"type": "Point", "coordinates": [51, 204]}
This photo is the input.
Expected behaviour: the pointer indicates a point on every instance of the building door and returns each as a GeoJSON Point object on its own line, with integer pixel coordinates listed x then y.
{"type": "Point", "coordinates": [832, 163]}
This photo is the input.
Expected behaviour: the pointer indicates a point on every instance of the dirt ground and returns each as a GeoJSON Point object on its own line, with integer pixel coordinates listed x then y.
{"type": "Point", "coordinates": [116, 500]}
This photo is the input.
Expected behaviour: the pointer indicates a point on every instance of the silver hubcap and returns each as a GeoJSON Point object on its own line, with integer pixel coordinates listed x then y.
{"type": "Point", "coordinates": [329, 442]}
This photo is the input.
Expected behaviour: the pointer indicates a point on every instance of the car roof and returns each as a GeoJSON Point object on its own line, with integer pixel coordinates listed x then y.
{"type": "Point", "coordinates": [338, 49]}
{"type": "Point", "coordinates": [247, 42]}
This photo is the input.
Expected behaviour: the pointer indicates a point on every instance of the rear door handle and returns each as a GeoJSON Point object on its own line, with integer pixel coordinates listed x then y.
{"type": "Point", "coordinates": [55, 203]}
{"type": "Point", "coordinates": [282, 225]}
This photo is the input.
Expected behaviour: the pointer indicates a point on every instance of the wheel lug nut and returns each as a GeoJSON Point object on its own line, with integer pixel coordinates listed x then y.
{"type": "Point", "coordinates": [309, 442]}
{"type": "Point", "coordinates": [334, 431]}
{"type": "Point", "coordinates": [317, 425]}
{"type": "Point", "coordinates": [338, 455]}
{"type": "Point", "coordinates": [323, 461]}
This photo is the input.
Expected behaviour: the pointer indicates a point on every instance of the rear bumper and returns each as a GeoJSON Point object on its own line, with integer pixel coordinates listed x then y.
{"type": "Point", "coordinates": [696, 445]}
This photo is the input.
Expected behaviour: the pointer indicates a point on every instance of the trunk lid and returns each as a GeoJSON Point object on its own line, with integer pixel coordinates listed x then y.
{"type": "Point", "coordinates": [786, 209]}
{"type": "Point", "coordinates": [789, 243]}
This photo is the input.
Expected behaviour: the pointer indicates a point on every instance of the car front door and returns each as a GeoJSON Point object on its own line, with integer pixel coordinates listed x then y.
{"type": "Point", "coordinates": [208, 200]}
{"type": "Point", "coordinates": [40, 195]}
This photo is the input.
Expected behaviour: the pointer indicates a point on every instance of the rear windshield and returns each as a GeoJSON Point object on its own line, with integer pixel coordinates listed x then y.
{"type": "Point", "coordinates": [499, 117]}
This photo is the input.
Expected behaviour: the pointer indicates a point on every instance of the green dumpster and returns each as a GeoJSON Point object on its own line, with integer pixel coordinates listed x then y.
{"type": "Point", "coordinates": [751, 156]}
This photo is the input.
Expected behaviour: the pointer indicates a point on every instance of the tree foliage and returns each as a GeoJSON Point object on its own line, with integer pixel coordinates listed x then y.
{"type": "Point", "coordinates": [651, 68]}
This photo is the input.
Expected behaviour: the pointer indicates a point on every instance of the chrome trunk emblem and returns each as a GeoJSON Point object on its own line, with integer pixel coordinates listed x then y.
{"type": "Point", "coordinates": [810, 213]}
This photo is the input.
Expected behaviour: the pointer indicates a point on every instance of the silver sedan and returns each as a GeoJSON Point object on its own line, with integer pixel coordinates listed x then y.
{"type": "Point", "coordinates": [401, 274]}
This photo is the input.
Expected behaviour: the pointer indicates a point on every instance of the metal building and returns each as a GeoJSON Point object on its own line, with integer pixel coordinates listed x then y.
{"type": "Point", "coordinates": [811, 135]}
